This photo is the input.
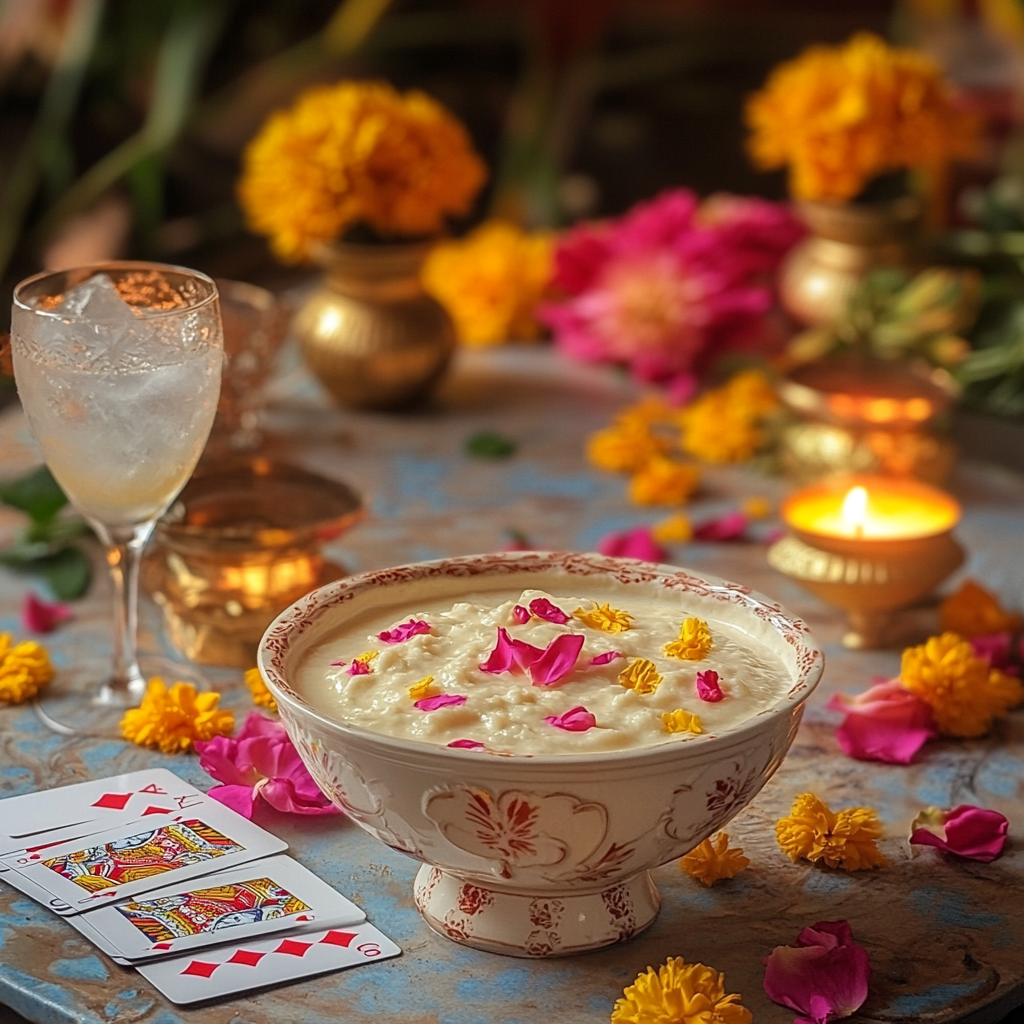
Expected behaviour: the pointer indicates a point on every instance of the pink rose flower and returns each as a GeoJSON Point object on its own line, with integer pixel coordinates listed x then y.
{"type": "Point", "coordinates": [261, 763]}
{"type": "Point", "coordinates": [972, 833]}
{"type": "Point", "coordinates": [885, 723]}
{"type": "Point", "coordinates": [824, 977]}
{"type": "Point", "coordinates": [635, 543]}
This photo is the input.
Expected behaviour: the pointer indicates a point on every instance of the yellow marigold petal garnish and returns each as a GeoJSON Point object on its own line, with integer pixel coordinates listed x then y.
{"type": "Point", "coordinates": [24, 669]}
{"type": "Point", "coordinates": [676, 529]}
{"type": "Point", "coordinates": [965, 692]}
{"type": "Point", "coordinates": [605, 618]}
{"type": "Point", "coordinates": [173, 719]}
{"type": "Point", "coordinates": [714, 859]}
{"type": "Point", "coordinates": [261, 696]}
{"type": "Point", "coordinates": [641, 676]}
{"type": "Point", "coordinates": [682, 721]}
{"type": "Point", "coordinates": [679, 993]}
{"type": "Point", "coordinates": [973, 611]}
{"type": "Point", "coordinates": [756, 507]}
{"type": "Point", "coordinates": [843, 840]}
{"type": "Point", "coordinates": [623, 448]}
{"type": "Point", "coordinates": [424, 688]}
{"type": "Point", "coordinates": [367, 657]}
{"type": "Point", "coordinates": [694, 641]}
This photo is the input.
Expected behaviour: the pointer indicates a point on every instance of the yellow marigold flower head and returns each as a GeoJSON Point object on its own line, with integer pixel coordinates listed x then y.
{"type": "Point", "coordinates": [605, 618]}
{"type": "Point", "coordinates": [752, 393]}
{"type": "Point", "coordinates": [424, 688]}
{"type": "Point", "coordinates": [649, 412]}
{"type": "Point", "coordinates": [715, 429]}
{"type": "Point", "coordinates": [172, 719]}
{"type": "Point", "coordinates": [756, 507]}
{"type": "Point", "coordinates": [693, 643]}
{"type": "Point", "coordinates": [663, 481]}
{"type": "Point", "coordinates": [676, 529]}
{"type": "Point", "coordinates": [973, 611]}
{"type": "Point", "coordinates": [838, 116]}
{"type": "Point", "coordinates": [682, 721]}
{"type": "Point", "coordinates": [843, 840]}
{"type": "Point", "coordinates": [623, 448]}
{"type": "Point", "coordinates": [679, 993]}
{"type": "Point", "coordinates": [965, 693]}
{"type": "Point", "coordinates": [491, 282]}
{"type": "Point", "coordinates": [24, 669]}
{"type": "Point", "coordinates": [356, 152]}
{"type": "Point", "coordinates": [714, 859]}
{"type": "Point", "coordinates": [640, 675]}
{"type": "Point", "coordinates": [261, 696]}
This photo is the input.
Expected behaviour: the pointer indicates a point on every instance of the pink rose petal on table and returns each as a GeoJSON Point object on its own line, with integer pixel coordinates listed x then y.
{"type": "Point", "coordinates": [39, 616]}
{"type": "Point", "coordinates": [544, 609]}
{"type": "Point", "coordinates": [558, 660]}
{"type": "Point", "coordinates": [577, 719]}
{"type": "Point", "coordinates": [636, 543]}
{"type": "Point", "coordinates": [707, 686]}
{"type": "Point", "coordinates": [261, 763]}
{"type": "Point", "coordinates": [604, 659]}
{"type": "Point", "coordinates": [995, 649]}
{"type": "Point", "coordinates": [824, 977]}
{"type": "Point", "coordinates": [731, 526]}
{"type": "Point", "coordinates": [467, 745]}
{"type": "Point", "coordinates": [885, 723]}
{"type": "Point", "coordinates": [442, 700]}
{"type": "Point", "coordinates": [414, 627]}
{"type": "Point", "coordinates": [968, 832]}
{"type": "Point", "coordinates": [520, 615]}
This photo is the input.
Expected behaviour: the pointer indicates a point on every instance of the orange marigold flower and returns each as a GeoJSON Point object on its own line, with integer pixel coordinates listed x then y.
{"type": "Point", "coordinates": [491, 281]}
{"type": "Point", "coordinates": [605, 618]}
{"type": "Point", "coordinates": [261, 696]}
{"type": "Point", "coordinates": [679, 993]}
{"type": "Point", "coordinates": [663, 481]}
{"type": "Point", "coordinates": [24, 669]}
{"type": "Point", "coordinates": [676, 529]}
{"type": "Point", "coordinates": [714, 859]}
{"type": "Point", "coordinates": [650, 411]}
{"type": "Point", "coordinates": [693, 643]}
{"type": "Point", "coordinates": [641, 676]}
{"type": "Point", "coordinates": [843, 840]}
{"type": "Point", "coordinates": [716, 428]}
{"type": "Point", "coordinates": [424, 688]}
{"type": "Point", "coordinates": [965, 693]}
{"type": "Point", "coordinates": [682, 721]}
{"type": "Point", "coordinates": [171, 720]}
{"type": "Point", "coordinates": [973, 611]}
{"type": "Point", "coordinates": [752, 394]}
{"type": "Point", "coordinates": [623, 448]}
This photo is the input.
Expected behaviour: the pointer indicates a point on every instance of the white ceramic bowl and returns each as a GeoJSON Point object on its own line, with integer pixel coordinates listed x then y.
{"type": "Point", "coordinates": [539, 855]}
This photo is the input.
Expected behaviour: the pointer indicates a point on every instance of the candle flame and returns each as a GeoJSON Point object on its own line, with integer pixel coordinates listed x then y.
{"type": "Point", "coordinates": [855, 510]}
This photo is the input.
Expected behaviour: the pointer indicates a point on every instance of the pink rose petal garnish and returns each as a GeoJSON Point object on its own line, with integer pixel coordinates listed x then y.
{"type": "Point", "coordinates": [604, 659]}
{"type": "Point", "coordinates": [544, 609]}
{"type": "Point", "coordinates": [731, 526]}
{"type": "Point", "coordinates": [340, 663]}
{"type": "Point", "coordinates": [574, 720]}
{"type": "Point", "coordinates": [359, 668]}
{"type": "Point", "coordinates": [525, 654]}
{"type": "Point", "coordinates": [401, 633]}
{"type": "Point", "coordinates": [501, 659]}
{"type": "Point", "coordinates": [972, 833]}
{"type": "Point", "coordinates": [707, 686]}
{"type": "Point", "coordinates": [442, 700]}
{"type": "Point", "coordinates": [520, 615]}
{"type": "Point", "coordinates": [558, 660]}
{"type": "Point", "coordinates": [467, 745]}
{"type": "Point", "coordinates": [636, 543]}
{"type": "Point", "coordinates": [824, 977]}
{"type": "Point", "coordinates": [885, 723]}
{"type": "Point", "coordinates": [38, 616]}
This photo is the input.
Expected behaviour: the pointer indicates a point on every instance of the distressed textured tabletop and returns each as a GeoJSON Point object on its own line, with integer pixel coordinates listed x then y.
{"type": "Point", "coordinates": [946, 940]}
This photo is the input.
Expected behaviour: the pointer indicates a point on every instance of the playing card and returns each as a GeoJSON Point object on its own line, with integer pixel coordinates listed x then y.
{"type": "Point", "coordinates": [58, 815]}
{"type": "Point", "coordinates": [270, 961]}
{"type": "Point", "coordinates": [37, 892]}
{"type": "Point", "coordinates": [143, 855]}
{"type": "Point", "coordinates": [269, 895]}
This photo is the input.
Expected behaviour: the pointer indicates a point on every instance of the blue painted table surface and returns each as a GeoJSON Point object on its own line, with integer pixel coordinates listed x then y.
{"type": "Point", "coordinates": [945, 939]}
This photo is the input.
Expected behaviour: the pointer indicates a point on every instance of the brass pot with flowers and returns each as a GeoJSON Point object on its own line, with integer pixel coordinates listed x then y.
{"type": "Point", "coordinates": [361, 179]}
{"type": "Point", "coordinates": [857, 126]}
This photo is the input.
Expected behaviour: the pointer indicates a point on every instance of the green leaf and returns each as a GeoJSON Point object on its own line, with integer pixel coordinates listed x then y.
{"type": "Point", "coordinates": [36, 493]}
{"type": "Point", "coordinates": [68, 573]}
{"type": "Point", "coordinates": [489, 444]}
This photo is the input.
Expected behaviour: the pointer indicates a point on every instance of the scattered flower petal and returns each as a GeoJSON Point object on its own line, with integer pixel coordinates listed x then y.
{"type": "Point", "coordinates": [173, 719]}
{"type": "Point", "coordinates": [973, 833]}
{"type": "Point", "coordinates": [520, 615]}
{"type": "Point", "coordinates": [842, 840]}
{"type": "Point", "coordinates": [885, 723]}
{"type": "Point", "coordinates": [424, 688]}
{"type": "Point", "coordinates": [524, 654]}
{"type": "Point", "coordinates": [362, 664]}
{"type": "Point", "coordinates": [693, 643]}
{"type": "Point", "coordinates": [24, 669]}
{"type": "Point", "coordinates": [261, 763]}
{"type": "Point", "coordinates": [708, 687]}
{"type": "Point", "coordinates": [442, 700]}
{"type": "Point", "coordinates": [606, 658]}
{"type": "Point", "coordinates": [824, 977]}
{"type": "Point", "coordinates": [502, 658]}
{"type": "Point", "coordinates": [679, 993]}
{"type": "Point", "coordinates": [261, 696]}
{"type": "Point", "coordinates": [544, 609]}
{"type": "Point", "coordinates": [557, 661]}
{"type": "Point", "coordinates": [38, 616]}
{"type": "Point", "coordinates": [713, 859]}
{"type": "Point", "coordinates": [399, 634]}
{"type": "Point", "coordinates": [756, 507]}
{"type": "Point", "coordinates": [577, 719]}
{"type": "Point", "coordinates": [641, 676]}
{"type": "Point", "coordinates": [637, 543]}
{"type": "Point", "coordinates": [467, 745]}
{"type": "Point", "coordinates": [682, 721]}
{"type": "Point", "coordinates": [664, 481]}
{"type": "Point", "coordinates": [731, 526]}
{"type": "Point", "coordinates": [676, 529]}
{"type": "Point", "coordinates": [972, 611]}
{"type": "Point", "coordinates": [995, 649]}
{"type": "Point", "coordinates": [624, 447]}
{"type": "Point", "coordinates": [605, 618]}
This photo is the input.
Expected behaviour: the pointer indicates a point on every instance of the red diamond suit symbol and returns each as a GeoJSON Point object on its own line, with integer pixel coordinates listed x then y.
{"type": "Point", "coordinates": [113, 801]}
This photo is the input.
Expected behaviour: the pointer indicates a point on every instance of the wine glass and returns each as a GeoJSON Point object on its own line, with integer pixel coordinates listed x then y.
{"type": "Point", "coordinates": [118, 368]}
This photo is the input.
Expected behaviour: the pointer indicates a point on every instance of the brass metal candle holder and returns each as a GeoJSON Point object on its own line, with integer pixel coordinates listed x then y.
{"type": "Point", "coordinates": [870, 575]}
{"type": "Point", "coordinates": [241, 543]}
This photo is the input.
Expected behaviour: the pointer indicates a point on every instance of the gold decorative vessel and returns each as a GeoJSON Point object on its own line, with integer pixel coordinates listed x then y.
{"type": "Point", "coordinates": [240, 544]}
{"type": "Point", "coordinates": [846, 240]}
{"type": "Point", "coordinates": [370, 333]}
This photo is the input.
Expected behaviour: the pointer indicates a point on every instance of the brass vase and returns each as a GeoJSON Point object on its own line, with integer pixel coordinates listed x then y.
{"type": "Point", "coordinates": [370, 333]}
{"type": "Point", "coordinates": [846, 241]}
